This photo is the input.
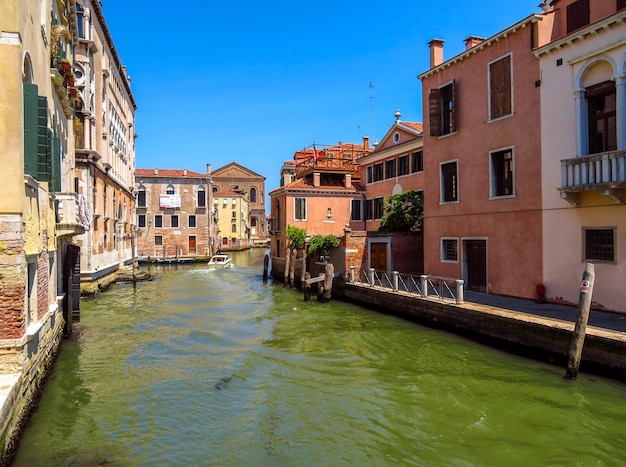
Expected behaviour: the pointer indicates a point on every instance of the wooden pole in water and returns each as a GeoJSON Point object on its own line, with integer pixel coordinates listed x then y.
{"type": "Point", "coordinates": [292, 271]}
{"type": "Point", "coordinates": [266, 263]}
{"type": "Point", "coordinates": [328, 282]}
{"type": "Point", "coordinates": [578, 338]}
{"type": "Point", "coordinates": [287, 260]}
{"type": "Point", "coordinates": [307, 287]}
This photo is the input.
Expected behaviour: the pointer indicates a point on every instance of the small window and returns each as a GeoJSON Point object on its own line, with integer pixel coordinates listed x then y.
{"type": "Point", "coordinates": [355, 214]}
{"type": "Point", "coordinates": [577, 15]}
{"type": "Point", "coordinates": [396, 137]}
{"type": "Point", "coordinates": [378, 208]}
{"type": "Point", "coordinates": [449, 182]}
{"type": "Point", "coordinates": [390, 168]}
{"type": "Point", "coordinates": [403, 165]}
{"type": "Point", "coordinates": [234, 214]}
{"type": "Point", "coordinates": [378, 172]}
{"type": "Point", "coordinates": [500, 102]}
{"type": "Point", "coordinates": [369, 209]}
{"type": "Point", "coordinates": [449, 250]}
{"type": "Point", "coordinates": [201, 197]}
{"type": "Point", "coordinates": [253, 195]}
{"type": "Point", "coordinates": [141, 220]}
{"type": "Point", "coordinates": [192, 220]}
{"type": "Point", "coordinates": [300, 209]}
{"type": "Point", "coordinates": [170, 190]}
{"type": "Point", "coordinates": [417, 162]}
{"type": "Point", "coordinates": [158, 220]}
{"type": "Point", "coordinates": [141, 197]}
{"type": "Point", "coordinates": [370, 174]}
{"type": "Point", "coordinates": [174, 221]}
{"type": "Point", "coordinates": [502, 173]}
{"type": "Point", "coordinates": [158, 240]}
{"type": "Point", "coordinates": [442, 110]}
{"type": "Point", "coordinates": [599, 245]}
{"type": "Point", "coordinates": [233, 228]}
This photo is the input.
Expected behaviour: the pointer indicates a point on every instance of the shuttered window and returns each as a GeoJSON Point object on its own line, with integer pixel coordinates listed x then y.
{"type": "Point", "coordinates": [502, 173]}
{"type": "Point", "coordinates": [30, 129]}
{"type": "Point", "coordinates": [500, 88]}
{"type": "Point", "coordinates": [300, 209]}
{"type": "Point", "coordinates": [442, 110]}
{"type": "Point", "coordinates": [577, 15]}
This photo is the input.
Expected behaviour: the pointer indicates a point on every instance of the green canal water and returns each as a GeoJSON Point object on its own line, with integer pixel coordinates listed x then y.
{"type": "Point", "coordinates": [204, 367]}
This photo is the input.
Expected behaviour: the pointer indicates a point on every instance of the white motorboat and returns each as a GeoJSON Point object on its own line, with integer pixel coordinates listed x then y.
{"type": "Point", "coordinates": [221, 261]}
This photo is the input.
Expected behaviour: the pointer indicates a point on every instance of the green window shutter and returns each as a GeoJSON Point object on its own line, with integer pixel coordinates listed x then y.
{"type": "Point", "coordinates": [30, 129]}
{"type": "Point", "coordinates": [42, 140]}
{"type": "Point", "coordinates": [56, 164]}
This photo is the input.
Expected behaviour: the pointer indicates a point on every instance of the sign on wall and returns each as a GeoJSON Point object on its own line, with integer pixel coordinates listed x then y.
{"type": "Point", "coordinates": [169, 201]}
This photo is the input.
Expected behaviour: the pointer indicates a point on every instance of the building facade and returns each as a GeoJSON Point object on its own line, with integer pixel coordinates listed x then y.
{"type": "Point", "coordinates": [235, 177]}
{"type": "Point", "coordinates": [233, 214]}
{"type": "Point", "coordinates": [324, 197]}
{"type": "Point", "coordinates": [175, 217]}
{"type": "Point", "coordinates": [105, 149]}
{"type": "Point", "coordinates": [39, 206]}
{"type": "Point", "coordinates": [583, 144]}
{"type": "Point", "coordinates": [482, 204]}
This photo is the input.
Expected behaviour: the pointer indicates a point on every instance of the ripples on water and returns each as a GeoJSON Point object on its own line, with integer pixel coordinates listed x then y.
{"type": "Point", "coordinates": [206, 367]}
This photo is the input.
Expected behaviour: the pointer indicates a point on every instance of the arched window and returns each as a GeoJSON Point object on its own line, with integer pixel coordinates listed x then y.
{"type": "Point", "coordinates": [141, 196]}
{"type": "Point", "coordinates": [234, 228]}
{"type": "Point", "coordinates": [201, 197]}
{"type": "Point", "coordinates": [215, 189]}
{"type": "Point", "coordinates": [170, 190]}
{"type": "Point", "coordinates": [253, 195]}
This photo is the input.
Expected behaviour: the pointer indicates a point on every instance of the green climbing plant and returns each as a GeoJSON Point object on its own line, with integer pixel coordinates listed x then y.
{"type": "Point", "coordinates": [322, 245]}
{"type": "Point", "coordinates": [403, 212]}
{"type": "Point", "coordinates": [296, 236]}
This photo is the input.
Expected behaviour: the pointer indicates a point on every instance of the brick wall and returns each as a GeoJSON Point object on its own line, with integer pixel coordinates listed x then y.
{"type": "Point", "coordinates": [13, 274]}
{"type": "Point", "coordinates": [42, 284]}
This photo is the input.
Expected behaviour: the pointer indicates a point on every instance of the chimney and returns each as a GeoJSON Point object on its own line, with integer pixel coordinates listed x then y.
{"type": "Point", "coordinates": [184, 172]}
{"type": "Point", "coordinates": [316, 179]}
{"type": "Point", "coordinates": [156, 171]}
{"type": "Point", "coordinates": [473, 41]}
{"type": "Point", "coordinates": [208, 169]}
{"type": "Point", "coordinates": [436, 52]}
{"type": "Point", "coordinates": [366, 142]}
{"type": "Point", "coordinates": [348, 180]}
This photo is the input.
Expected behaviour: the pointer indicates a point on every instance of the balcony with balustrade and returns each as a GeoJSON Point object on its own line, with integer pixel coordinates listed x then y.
{"type": "Point", "coordinates": [72, 215]}
{"type": "Point", "coordinates": [604, 172]}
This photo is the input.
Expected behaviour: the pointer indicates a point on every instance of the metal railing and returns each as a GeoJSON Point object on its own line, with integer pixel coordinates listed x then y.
{"type": "Point", "coordinates": [442, 288]}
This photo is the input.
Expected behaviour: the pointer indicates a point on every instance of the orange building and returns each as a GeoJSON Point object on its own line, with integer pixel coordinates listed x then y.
{"type": "Point", "coordinates": [325, 196]}
{"type": "Point", "coordinates": [482, 211]}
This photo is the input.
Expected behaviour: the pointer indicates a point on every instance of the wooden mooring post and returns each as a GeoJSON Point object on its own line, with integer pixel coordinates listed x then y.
{"type": "Point", "coordinates": [306, 284]}
{"type": "Point", "coordinates": [287, 264]}
{"type": "Point", "coordinates": [266, 263]}
{"type": "Point", "coordinates": [578, 338]}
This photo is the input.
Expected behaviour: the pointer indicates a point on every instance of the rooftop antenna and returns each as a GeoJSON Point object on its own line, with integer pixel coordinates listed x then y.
{"type": "Point", "coordinates": [372, 109]}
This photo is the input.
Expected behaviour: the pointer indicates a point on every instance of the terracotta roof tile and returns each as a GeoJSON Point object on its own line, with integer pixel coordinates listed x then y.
{"type": "Point", "coordinates": [176, 173]}
{"type": "Point", "coordinates": [415, 125]}
{"type": "Point", "coordinates": [325, 184]}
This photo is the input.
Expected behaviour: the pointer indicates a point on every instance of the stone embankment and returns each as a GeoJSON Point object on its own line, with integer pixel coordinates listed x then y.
{"type": "Point", "coordinates": [526, 334]}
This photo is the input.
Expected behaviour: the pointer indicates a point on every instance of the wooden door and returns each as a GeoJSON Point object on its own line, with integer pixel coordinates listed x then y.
{"type": "Point", "coordinates": [192, 244]}
{"type": "Point", "coordinates": [476, 264]}
{"type": "Point", "coordinates": [378, 256]}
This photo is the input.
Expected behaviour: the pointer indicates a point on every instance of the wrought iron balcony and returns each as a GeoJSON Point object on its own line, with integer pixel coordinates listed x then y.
{"type": "Point", "coordinates": [604, 172]}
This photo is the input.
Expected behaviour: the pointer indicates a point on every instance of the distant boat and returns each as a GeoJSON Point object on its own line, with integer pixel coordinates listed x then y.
{"type": "Point", "coordinates": [222, 261]}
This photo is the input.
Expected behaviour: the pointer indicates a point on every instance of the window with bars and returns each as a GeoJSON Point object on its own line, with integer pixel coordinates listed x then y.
{"type": "Point", "coordinates": [449, 182]}
{"type": "Point", "coordinates": [417, 162]}
{"type": "Point", "coordinates": [403, 165]}
{"type": "Point", "coordinates": [599, 244]}
{"type": "Point", "coordinates": [449, 249]}
{"type": "Point", "coordinates": [500, 103]}
{"type": "Point", "coordinates": [442, 110]}
{"type": "Point", "coordinates": [502, 173]}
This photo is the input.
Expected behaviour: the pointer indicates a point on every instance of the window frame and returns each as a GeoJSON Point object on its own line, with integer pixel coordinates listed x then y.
{"type": "Point", "coordinates": [158, 240]}
{"type": "Point", "coordinates": [356, 210]}
{"type": "Point", "coordinates": [608, 118]}
{"type": "Point", "coordinates": [158, 221]}
{"type": "Point", "coordinates": [379, 172]}
{"type": "Point", "coordinates": [174, 221]}
{"type": "Point", "coordinates": [201, 203]}
{"type": "Point", "coordinates": [577, 15]}
{"type": "Point", "coordinates": [195, 221]}
{"type": "Point", "coordinates": [451, 241]}
{"type": "Point", "coordinates": [368, 212]}
{"type": "Point", "coordinates": [369, 173]}
{"type": "Point", "coordinates": [379, 208]}
{"type": "Point", "coordinates": [498, 96]}
{"type": "Point", "coordinates": [142, 197]}
{"type": "Point", "coordinates": [417, 161]}
{"type": "Point", "coordinates": [443, 113]}
{"type": "Point", "coordinates": [300, 208]}
{"type": "Point", "coordinates": [403, 165]}
{"type": "Point", "coordinates": [498, 172]}
{"type": "Point", "coordinates": [141, 221]}
{"type": "Point", "coordinates": [390, 168]}
{"type": "Point", "coordinates": [442, 182]}
{"type": "Point", "coordinates": [586, 247]}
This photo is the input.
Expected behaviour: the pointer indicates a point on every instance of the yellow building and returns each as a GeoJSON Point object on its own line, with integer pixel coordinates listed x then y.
{"type": "Point", "coordinates": [38, 210]}
{"type": "Point", "coordinates": [232, 209]}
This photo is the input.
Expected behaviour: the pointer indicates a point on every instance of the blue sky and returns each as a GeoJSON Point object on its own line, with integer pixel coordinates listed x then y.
{"type": "Point", "coordinates": [254, 81]}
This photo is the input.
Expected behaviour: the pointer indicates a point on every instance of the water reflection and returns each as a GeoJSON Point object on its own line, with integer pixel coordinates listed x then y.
{"type": "Point", "coordinates": [206, 367]}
